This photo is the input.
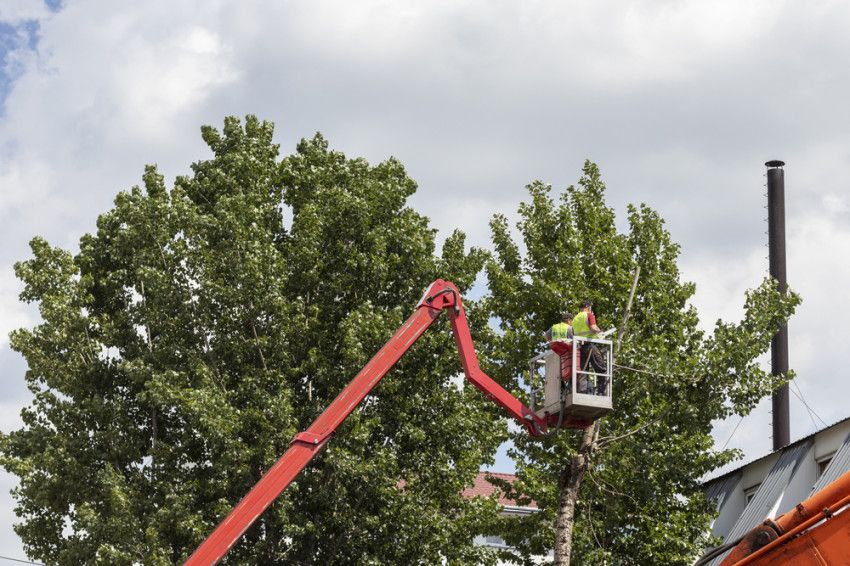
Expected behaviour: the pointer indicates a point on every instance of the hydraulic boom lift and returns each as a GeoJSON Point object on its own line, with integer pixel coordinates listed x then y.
{"type": "Point", "coordinates": [440, 295]}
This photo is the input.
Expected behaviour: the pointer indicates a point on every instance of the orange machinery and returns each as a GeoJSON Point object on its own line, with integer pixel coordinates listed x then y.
{"type": "Point", "coordinates": [815, 533]}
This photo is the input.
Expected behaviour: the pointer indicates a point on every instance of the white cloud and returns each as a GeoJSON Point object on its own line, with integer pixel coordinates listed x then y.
{"type": "Point", "coordinates": [161, 81]}
{"type": "Point", "coordinates": [722, 282]}
{"type": "Point", "coordinates": [679, 102]}
{"type": "Point", "coordinates": [128, 78]}
{"type": "Point", "coordinates": [835, 203]}
{"type": "Point", "coordinates": [14, 314]}
{"type": "Point", "coordinates": [818, 256]}
{"type": "Point", "coordinates": [24, 180]}
{"type": "Point", "coordinates": [819, 268]}
{"type": "Point", "coordinates": [16, 11]}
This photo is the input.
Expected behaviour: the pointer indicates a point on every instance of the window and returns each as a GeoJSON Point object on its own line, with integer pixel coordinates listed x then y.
{"type": "Point", "coordinates": [823, 464]}
{"type": "Point", "coordinates": [494, 541]}
{"type": "Point", "coordinates": [750, 492]}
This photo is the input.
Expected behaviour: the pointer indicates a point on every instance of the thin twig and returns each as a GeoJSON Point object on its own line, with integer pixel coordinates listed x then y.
{"type": "Point", "coordinates": [590, 522]}
{"type": "Point", "coordinates": [690, 379]}
{"type": "Point", "coordinates": [610, 439]}
{"type": "Point", "coordinates": [260, 350]}
{"type": "Point", "coordinates": [622, 330]}
{"type": "Point", "coordinates": [611, 490]}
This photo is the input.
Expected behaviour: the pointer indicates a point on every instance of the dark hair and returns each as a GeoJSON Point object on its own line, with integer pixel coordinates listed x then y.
{"type": "Point", "coordinates": [586, 304]}
{"type": "Point", "coordinates": [567, 316]}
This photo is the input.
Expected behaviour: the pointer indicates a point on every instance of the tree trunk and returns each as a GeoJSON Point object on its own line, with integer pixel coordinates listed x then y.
{"type": "Point", "coordinates": [570, 480]}
{"type": "Point", "coordinates": [568, 486]}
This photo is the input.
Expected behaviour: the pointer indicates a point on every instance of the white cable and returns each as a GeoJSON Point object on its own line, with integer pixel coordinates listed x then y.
{"type": "Point", "coordinates": [734, 430]}
{"type": "Point", "coordinates": [803, 400]}
{"type": "Point", "coordinates": [19, 560]}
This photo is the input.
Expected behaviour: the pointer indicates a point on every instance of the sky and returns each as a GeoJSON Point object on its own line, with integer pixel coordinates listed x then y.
{"type": "Point", "coordinates": [680, 104]}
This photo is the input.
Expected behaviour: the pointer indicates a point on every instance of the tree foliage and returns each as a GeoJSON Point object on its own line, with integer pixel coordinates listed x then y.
{"type": "Point", "coordinates": [640, 502]}
{"type": "Point", "coordinates": [201, 326]}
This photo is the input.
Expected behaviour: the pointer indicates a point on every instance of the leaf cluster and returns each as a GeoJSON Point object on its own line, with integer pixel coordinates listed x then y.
{"type": "Point", "coordinates": [641, 501]}
{"type": "Point", "coordinates": [202, 325]}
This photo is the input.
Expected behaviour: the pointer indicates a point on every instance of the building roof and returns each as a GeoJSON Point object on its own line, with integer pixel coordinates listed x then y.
{"type": "Point", "coordinates": [720, 490]}
{"type": "Point", "coordinates": [795, 472]}
{"type": "Point", "coordinates": [839, 464]}
{"type": "Point", "coordinates": [483, 488]}
{"type": "Point", "coordinates": [769, 492]}
{"type": "Point", "coordinates": [746, 462]}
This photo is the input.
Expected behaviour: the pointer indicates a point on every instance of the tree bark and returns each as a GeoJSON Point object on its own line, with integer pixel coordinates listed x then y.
{"type": "Point", "coordinates": [568, 487]}
{"type": "Point", "coordinates": [571, 477]}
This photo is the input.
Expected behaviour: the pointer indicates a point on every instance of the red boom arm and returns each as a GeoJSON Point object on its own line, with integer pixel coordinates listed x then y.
{"type": "Point", "coordinates": [440, 295]}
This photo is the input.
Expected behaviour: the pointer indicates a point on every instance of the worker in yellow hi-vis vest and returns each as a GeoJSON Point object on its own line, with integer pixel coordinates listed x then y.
{"type": "Point", "coordinates": [560, 338]}
{"type": "Point", "coordinates": [584, 325]}
{"type": "Point", "coordinates": [562, 330]}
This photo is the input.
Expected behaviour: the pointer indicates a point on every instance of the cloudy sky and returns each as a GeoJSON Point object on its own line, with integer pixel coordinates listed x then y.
{"type": "Point", "coordinates": [680, 103]}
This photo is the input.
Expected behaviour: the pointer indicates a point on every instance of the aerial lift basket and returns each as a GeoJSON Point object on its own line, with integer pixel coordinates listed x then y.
{"type": "Point", "coordinates": [570, 384]}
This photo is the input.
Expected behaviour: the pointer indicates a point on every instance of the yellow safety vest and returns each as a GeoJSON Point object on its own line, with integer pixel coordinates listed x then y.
{"type": "Point", "coordinates": [560, 331]}
{"type": "Point", "coordinates": [581, 327]}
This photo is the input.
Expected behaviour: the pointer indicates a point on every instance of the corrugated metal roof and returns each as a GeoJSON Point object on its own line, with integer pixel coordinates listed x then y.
{"type": "Point", "coordinates": [839, 464]}
{"type": "Point", "coordinates": [769, 491]}
{"type": "Point", "coordinates": [720, 489]}
{"type": "Point", "coordinates": [746, 462]}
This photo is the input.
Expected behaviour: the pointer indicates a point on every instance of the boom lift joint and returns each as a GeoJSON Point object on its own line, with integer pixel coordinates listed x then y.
{"type": "Point", "coordinates": [439, 296]}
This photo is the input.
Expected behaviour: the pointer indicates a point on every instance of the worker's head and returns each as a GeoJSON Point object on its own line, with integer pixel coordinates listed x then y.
{"type": "Point", "coordinates": [567, 317]}
{"type": "Point", "coordinates": [586, 305]}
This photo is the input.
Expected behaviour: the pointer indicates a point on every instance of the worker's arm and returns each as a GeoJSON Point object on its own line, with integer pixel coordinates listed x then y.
{"type": "Point", "coordinates": [591, 321]}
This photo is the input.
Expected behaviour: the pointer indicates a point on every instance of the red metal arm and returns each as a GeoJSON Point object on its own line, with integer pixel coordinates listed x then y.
{"type": "Point", "coordinates": [440, 295]}
{"type": "Point", "coordinates": [498, 394]}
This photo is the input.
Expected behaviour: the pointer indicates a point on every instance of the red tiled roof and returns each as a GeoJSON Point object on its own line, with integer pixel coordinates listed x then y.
{"type": "Point", "coordinates": [483, 488]}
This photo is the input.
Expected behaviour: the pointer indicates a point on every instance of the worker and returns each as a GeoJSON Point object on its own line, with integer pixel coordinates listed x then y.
{"type": "Point", "coordinates": [584, 326]}
{"type": "Point", "coordinates": [562, 330]}
{"type": "Point", "coordinates": [560, 338]}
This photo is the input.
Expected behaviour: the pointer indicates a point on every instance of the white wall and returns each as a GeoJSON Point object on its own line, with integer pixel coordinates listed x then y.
{"type": "Point", "coordinates": [828, 441]}
{"type": "Point", "coordinates": [754, 473]}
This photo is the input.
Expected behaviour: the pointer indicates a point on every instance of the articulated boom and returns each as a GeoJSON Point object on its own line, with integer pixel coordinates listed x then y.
{"type": "Point", "coordinates": [441, 295]}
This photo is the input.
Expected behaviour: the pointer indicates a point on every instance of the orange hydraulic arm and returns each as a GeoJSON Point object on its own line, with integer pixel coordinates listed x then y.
{"type": "Point", "coordinates": [815, 533]}
{"type": "Point", "coordinates": [441, 295]}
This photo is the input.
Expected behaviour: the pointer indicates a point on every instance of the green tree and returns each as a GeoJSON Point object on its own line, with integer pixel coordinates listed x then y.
{"type": "Point", "coordinates": [201, 326]}
{"type": "Point", "coordinates": [627, 491]}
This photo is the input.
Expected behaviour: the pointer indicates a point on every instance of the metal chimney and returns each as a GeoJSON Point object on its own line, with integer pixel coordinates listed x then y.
{"type": "Point", "coordinates": [779, 344]}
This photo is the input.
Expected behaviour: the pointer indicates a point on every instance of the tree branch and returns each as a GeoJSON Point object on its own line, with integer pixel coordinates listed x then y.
{"type": "Point", "coordinates": [606, 440]}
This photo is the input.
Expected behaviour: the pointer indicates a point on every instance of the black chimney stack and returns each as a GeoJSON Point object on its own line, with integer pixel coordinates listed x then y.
{"type": "Point", "coordinates": [779, 344]}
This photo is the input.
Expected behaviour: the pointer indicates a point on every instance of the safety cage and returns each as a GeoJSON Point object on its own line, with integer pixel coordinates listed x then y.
{"type": "Point", "coordinates": [569, 382]}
